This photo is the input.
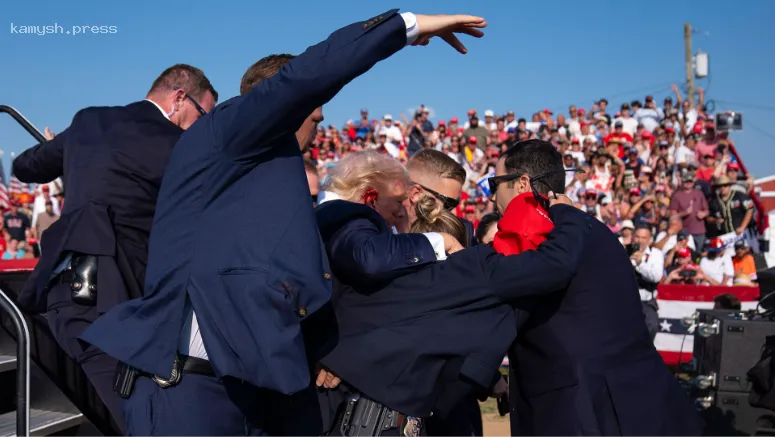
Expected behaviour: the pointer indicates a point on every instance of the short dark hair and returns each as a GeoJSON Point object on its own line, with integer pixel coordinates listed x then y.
{"type": "Point", "coordinates": [190, 79]}
{"type": "Point", "coordinates": [485, 223]}
{"type": "Point", "coordinates": [727, 301]}
{"type": "Point", "coordinates": [536, 158]}
{"type": "Point", "coordinates": [643, 227]}
{"type": "Point", "coordinates": [262, 70]}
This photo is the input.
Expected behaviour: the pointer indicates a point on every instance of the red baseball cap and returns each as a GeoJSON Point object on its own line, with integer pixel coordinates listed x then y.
{"type": "Point", "coordinates": [453, 120]}
{"type": "Point", "coordinates": [442, 123]}
{"type": "Point", "coordinates": [684, 252]}
{"type": "Point", "coordinates": [733, 166]}
{"type": "Point", "coordinates": [472, 140]}
{"type": "Point", "coordinates": [547, 111]}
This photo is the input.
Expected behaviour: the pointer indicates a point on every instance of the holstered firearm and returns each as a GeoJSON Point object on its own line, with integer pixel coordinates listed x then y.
{"type": "Point", "coordinates": [82, 279]}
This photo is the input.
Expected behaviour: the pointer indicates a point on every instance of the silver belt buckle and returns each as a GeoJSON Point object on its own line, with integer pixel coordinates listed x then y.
{"type": "Point", "coordinates": [174, 376]}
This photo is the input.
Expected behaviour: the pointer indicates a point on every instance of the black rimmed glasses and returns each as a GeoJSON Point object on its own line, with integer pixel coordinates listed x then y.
{"type": "Point", "coordinates": [447, 202]}
{"type": "Point", "coordinates": [193, 102]}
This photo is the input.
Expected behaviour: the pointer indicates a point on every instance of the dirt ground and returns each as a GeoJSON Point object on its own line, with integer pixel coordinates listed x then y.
{"type": "Point", "coordinates": [495, 425]}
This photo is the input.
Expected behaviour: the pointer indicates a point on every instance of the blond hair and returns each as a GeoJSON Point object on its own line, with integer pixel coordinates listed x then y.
{"type": "Point", "coordinates": [360, 171]}
{"type": "Point", "coordinates": [432, 217]}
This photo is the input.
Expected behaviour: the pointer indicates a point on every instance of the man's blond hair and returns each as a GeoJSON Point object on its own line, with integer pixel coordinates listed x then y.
{"type": "Point", "coordinates": [435, 164]}
{"type": "Point", "coordinates": [360, 171]}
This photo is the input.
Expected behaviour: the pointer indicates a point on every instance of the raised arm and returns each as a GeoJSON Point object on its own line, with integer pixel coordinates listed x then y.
{"type": "Point", "coordinates": [546, 269]}
{"type": "Point", "coordinates": [278, 105]}
{"type": "Point", "coordinates": [43, 162]}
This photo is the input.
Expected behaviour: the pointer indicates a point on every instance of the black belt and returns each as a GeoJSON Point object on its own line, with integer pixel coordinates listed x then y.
{"type": "Point", "coordinates": [196, 366]}
{"type": "Point", "coordinates": [184, 364]}
{"type": "Point", "coordinates": [126, 375]}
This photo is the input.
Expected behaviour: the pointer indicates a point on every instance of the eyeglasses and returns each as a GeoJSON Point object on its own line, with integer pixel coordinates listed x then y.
{"type": "Point", "coordinates": [193, 102]}
{"type": "Point", "coordinates": [447, 202]}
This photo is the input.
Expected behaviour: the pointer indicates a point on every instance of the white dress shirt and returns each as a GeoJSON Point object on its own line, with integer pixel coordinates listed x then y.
{"type": "Point", "coordinates": [190, 337]}
{"type": "Point", "coordinates": [651, 267]}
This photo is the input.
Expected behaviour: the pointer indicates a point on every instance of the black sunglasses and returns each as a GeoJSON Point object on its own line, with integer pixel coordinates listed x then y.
{"type": "Point", "coordinates": [448, 202]}
{"type": "Point", "coordinates": [193, 102]}
{"type": "Point", "coordinates": [495, 181]}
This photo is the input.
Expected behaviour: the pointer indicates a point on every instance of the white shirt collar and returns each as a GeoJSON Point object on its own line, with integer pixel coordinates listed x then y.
{"type": "Point", "coordinates": [160, 109]}
{"type": "Point", "coordinates": [325, 196]}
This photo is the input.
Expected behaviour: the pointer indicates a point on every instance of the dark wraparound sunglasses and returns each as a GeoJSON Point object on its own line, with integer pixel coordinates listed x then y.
{"type": "Point", "coordinates": [447, 202]}
{"type": "Point", "coordinates": [495, 181]}
{"type": "Point", "coordinates": [193, 102]}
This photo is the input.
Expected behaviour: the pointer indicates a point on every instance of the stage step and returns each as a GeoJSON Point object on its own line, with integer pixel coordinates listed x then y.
{"type": "Point", "coordinates": [7, 363]}
{"type": "Point", "coordinates": [42, 422]}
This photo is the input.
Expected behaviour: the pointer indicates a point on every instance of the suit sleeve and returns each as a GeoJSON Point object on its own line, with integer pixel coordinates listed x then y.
{"type": "Point", "coordinates": [280, 104]}
{"type": "Point", "coordinates": [360, 252]}
{"type": "Point", "coordinates": [44, 162]}
{"type": "Point", "coordinates": [546, 269]}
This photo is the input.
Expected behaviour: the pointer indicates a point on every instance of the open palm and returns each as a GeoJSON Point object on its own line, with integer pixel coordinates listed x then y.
{"type": "Point", "coordinates": [446, 26]}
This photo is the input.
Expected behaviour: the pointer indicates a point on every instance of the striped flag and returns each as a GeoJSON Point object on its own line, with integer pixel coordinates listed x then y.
{"type": "Point", "coordinates": [4, 201]}
{"type": "Point", "coordinates": [673, 341]}
{"type": "Point", "coordinates": [14, 186]}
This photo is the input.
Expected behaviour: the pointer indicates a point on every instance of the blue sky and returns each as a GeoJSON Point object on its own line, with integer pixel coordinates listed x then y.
{"type": "Point", "coordinates": [534, 55]}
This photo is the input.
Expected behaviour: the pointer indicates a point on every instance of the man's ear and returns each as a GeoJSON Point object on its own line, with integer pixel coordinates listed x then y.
{"type": "Point", "coordinates": [415, 194]}
{"type": "Point", "coordinates": [370, 197]}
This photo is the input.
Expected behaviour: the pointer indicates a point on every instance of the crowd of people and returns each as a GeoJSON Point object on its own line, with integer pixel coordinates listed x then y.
{"type": "Point", "coordinates": [28, 213]}
{"type": "Point", "coordinates": [664, 169]}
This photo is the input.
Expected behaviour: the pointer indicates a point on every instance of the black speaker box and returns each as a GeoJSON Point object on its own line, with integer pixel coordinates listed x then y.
{"type": "Point", "coordinates": [731, 414]}
{"type": "Point", "coordinates": [726, 345]}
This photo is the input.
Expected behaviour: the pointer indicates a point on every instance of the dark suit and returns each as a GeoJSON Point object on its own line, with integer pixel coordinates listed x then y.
{"type": "Point", "coordinates": [250, 272]}
{"type": "Point", "coordinates": [584, 363]}
{"type": "Point", "coordinates": [409, 342]}
{"type": "Point", "coordinates": [113, 159]}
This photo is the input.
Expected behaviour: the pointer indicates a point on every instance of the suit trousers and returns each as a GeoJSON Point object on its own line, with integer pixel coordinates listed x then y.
{"type": "Point", "coordinates": [67, 321]}
{"type": "Point", "coordinates": [207, 406]}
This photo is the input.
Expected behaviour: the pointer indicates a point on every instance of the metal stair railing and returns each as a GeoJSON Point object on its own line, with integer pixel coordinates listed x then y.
{"type": "Point", "coordinates": [22, 365]}
{"type": "Point", "coordinates": [22, 120]}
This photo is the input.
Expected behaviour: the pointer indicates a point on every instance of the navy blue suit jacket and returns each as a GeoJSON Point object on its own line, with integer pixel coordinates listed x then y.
{"type": "Point", "coordinates": [405, 341]}
{"type": "Point", "coordinates": [235, 235]}
{"type": "Point", "coordinates": [113, 159]}
{"type": "Point", "coordinates": [584, 363]}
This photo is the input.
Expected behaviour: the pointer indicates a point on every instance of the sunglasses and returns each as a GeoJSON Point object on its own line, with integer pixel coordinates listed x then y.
{"type": "Point", "coordinates": [447, 202]}
{"type": "Point", "coordinates": [193, 102]}
{"type": "Point", "coordinates": [495, 181]}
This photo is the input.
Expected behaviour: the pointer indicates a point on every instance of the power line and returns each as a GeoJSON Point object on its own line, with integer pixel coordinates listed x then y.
{"type": "Point", "coordinates": [746, 105]}
{"type": "Point", "coordinates": [761, 131]}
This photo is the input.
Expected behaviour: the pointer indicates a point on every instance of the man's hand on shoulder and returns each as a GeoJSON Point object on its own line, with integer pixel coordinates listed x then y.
{"type": "Point", "coordinates": [446, 26]}
{"type": "Point", "coordinates": [559, 199]}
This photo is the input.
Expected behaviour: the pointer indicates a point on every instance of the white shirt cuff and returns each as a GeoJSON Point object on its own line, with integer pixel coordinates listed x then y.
{"type": "Point", "coordinates": [437, 242]}
{"type": "Point", "coordinates": [412, 31]}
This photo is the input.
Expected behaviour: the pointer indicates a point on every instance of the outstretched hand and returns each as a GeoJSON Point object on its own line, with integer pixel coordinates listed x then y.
{"type": "Point", "coordinates": [446, 26]}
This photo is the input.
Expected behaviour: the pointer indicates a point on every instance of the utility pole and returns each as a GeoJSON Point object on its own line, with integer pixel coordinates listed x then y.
{"type": "Point", "coordinates": [689, 63]}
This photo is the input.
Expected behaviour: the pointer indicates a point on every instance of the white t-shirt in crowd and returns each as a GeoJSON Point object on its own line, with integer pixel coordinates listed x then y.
{"type": "Point", "coordinates": [393, 133]}
{"type": "Point", "coordinates": [629, 125]}
{"type": "Point", "coordinates": [717, 268]}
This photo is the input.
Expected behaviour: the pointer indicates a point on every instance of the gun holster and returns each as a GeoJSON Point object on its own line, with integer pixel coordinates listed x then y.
{"type": "Point", "coordinates": [83, 279]}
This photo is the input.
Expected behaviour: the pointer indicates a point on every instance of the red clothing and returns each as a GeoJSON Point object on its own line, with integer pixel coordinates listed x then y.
{"type": "Point", "coordinates": [706, 174]}
{"type": "Point", "coordinates": [525, 225]}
